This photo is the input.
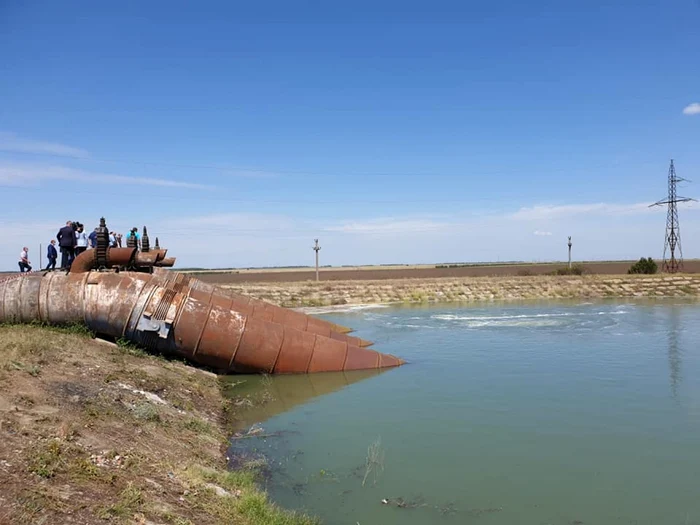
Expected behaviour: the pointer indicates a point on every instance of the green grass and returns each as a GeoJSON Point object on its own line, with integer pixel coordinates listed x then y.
{"type": "Point", "coordinates": [146, 412]}
{"type": "Point", "coordinates": [130, 501]}
{"type": "Point", "coordinates": [198, 426]}
{"type": "Point", "coordinates": [246, 505]}
{"type": "Point", "coordinates": [70, 328]}
{"type": "Point", "coordinates": [47, 459]}
{"type": "Point", "coordinates": [130, 348]}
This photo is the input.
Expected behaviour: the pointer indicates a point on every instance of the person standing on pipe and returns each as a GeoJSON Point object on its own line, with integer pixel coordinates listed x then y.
{"type": "Point", "coordinates": [24, 264]}
{"type": "Point", "coordinates": [51, 255]}
{"type": "Point", "coordinates": [66, 241]}
{"type": "Point", "coordinates": [81, 240]}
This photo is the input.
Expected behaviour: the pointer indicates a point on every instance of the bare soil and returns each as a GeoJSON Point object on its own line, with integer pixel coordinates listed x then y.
{"type": "Point", "coordinates": [94, 432]}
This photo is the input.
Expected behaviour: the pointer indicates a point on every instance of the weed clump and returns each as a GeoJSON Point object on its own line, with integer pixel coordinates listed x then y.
{"type": "Point", "coordinates": [146, 412]}
{"type": "Point", "coordinates": [130, 500]}
{"type": "Point", "coordinates": [374, 464]}
{"type": "Point", "coordinates": [576, 269]}
{"type": "Point", "coordinates": [47, 459]}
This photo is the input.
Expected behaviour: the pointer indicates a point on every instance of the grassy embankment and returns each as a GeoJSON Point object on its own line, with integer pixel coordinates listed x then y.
{"type": "Point", "coordinates": [92, 432]}
{"type": "Point", "coordinates": [471, 289]}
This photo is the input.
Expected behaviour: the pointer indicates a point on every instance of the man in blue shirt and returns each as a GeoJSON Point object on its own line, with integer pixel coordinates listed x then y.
{"type": "Point", "coordinates": [92, 238]}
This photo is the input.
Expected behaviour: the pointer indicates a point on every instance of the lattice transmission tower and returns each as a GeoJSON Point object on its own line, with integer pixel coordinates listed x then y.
{"type": "Point", "coordinates": [672, 243]}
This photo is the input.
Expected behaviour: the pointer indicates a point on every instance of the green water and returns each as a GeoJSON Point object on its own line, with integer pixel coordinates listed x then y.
{"type": "Point", "coordinates": [531, 414]}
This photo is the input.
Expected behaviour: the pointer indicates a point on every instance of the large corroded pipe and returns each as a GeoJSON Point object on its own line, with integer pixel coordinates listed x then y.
{"type": "Point", "coordinates": [259, 308]}
{"type": "Point", "coordinates": [206, 329]}
{"type": "Point", "coordinates": [131, 258]}
{"type": "Point", "coordinates": [256, 308]}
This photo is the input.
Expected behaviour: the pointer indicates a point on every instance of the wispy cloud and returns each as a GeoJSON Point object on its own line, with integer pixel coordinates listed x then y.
{"type": "Point", "coordinates": [388, 225]}
{"type": "Point", "coordinates": [692, 109]}
{"type": "Point", "coordinates": [32, 175]}
{"type": "Point", "coordinates": [549, 212]}
{"type": "Point", "coordinates": [268, 239]}
{"type": "Point", "coordinates": [13, 143]}
{"type": "Point", "coordinates": [235, 222]}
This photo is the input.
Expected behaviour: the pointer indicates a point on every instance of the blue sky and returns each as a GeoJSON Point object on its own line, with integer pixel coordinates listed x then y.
{"type": "Point", "coordinates": [392, 131]}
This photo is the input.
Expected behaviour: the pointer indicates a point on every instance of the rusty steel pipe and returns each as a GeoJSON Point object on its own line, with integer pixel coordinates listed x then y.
{"type": "Point", "coordinates": [166, 262]}
{"type": "Point", "coordinates": [130, 257]}
{"type": "Point", "coordinates": [203, 327]}
{"type": "Point", "coordinates": [259, 309]}
{"type": "Point", "coordinates": [181, 280]}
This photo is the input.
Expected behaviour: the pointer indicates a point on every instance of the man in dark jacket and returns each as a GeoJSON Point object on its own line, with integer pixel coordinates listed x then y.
{"type": "Point", "coordinates": [66, 241]}
{"type": "Point", "coordinates": [52, 255]}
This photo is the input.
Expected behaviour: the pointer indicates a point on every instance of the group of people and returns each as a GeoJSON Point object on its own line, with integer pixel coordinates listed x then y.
{"type": "Point", "coordinates": [72, 241]}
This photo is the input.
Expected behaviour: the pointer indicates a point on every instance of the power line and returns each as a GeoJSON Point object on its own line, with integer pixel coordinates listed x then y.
{"type": "Point", "coordinates": [673, 230]}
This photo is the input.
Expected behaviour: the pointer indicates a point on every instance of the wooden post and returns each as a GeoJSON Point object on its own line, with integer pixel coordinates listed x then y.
{"type": "Point", "coordinates": [569, 253]}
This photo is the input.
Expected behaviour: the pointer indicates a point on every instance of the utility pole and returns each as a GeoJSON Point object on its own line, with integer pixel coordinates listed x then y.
{"type": "Point", "coordinates": [672, 240]}
{"type": "Point", "coordinates": [316, 249]}
{"type": "Point", "coordinates": [569, 252]}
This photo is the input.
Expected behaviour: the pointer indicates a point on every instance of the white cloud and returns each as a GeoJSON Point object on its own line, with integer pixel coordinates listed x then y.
{"type": "Point", "coordinates": [388, 225]}
{"type": "Point", "coordinates": [242, 239]}
{"type": "Point", "coordinates": [32, 175]}
{"type": "Point", "coordinates": [233, 223]}
{"type": "Point", "coordinates": [13, 143]}
{"type": "Point", "coordinates": [692, 109]}
{"type": "Point", "coordinates": [546, 212]}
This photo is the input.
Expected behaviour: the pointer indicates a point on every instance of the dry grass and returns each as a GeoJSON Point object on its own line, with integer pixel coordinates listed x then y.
{"type": "Point", "coordinates": [374, 464]}
{"type": "Point", "coordinates": [82, 441]}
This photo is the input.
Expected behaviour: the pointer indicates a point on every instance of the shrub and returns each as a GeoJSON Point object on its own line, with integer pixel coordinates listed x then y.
{"type": "Point", "coordinates": [576, 269]}
{"type": "Point", "coordinates": [643, 265]}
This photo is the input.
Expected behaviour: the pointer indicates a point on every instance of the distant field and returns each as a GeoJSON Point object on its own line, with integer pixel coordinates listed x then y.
{"type": "Point", "coordinates": [371, 273]}
{"type": "Point", "coordinates": [417, 271]}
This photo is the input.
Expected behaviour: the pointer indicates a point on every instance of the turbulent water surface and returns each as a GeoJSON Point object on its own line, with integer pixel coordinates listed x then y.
{"type": "Point", "coordinates": [530, 414]}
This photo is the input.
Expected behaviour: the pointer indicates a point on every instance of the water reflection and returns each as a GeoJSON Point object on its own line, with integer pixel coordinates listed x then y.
{"type": "Point", "coordinates": [258, 398]}
{"type": "Point", "coordinates": [674, 352]}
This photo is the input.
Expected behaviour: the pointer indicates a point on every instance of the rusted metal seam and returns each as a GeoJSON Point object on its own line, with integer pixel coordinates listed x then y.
{"type": "Point", "coordinates": [182, 306]}
{"type": "Point", "coordinates": [83, 292]}
{"type": "Point", "coordinates": [204, 326]}
{"type": "Point", "coordinates": [347, 353]}
{"type": "Point", "coordinates": [44, 288]}
{"type": "Point", "coordinates": [238, 344]}
{"type": "Point", "coordinates": [311, 357]}
{"type": "Point", "coordinates": [178, 314]}
{"type": "Point", "coordinates": [4, 293]}
{"type": "Point", "coordinates": [22, 304]}
{"type": "Point", "coordinates": [279, 350]}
